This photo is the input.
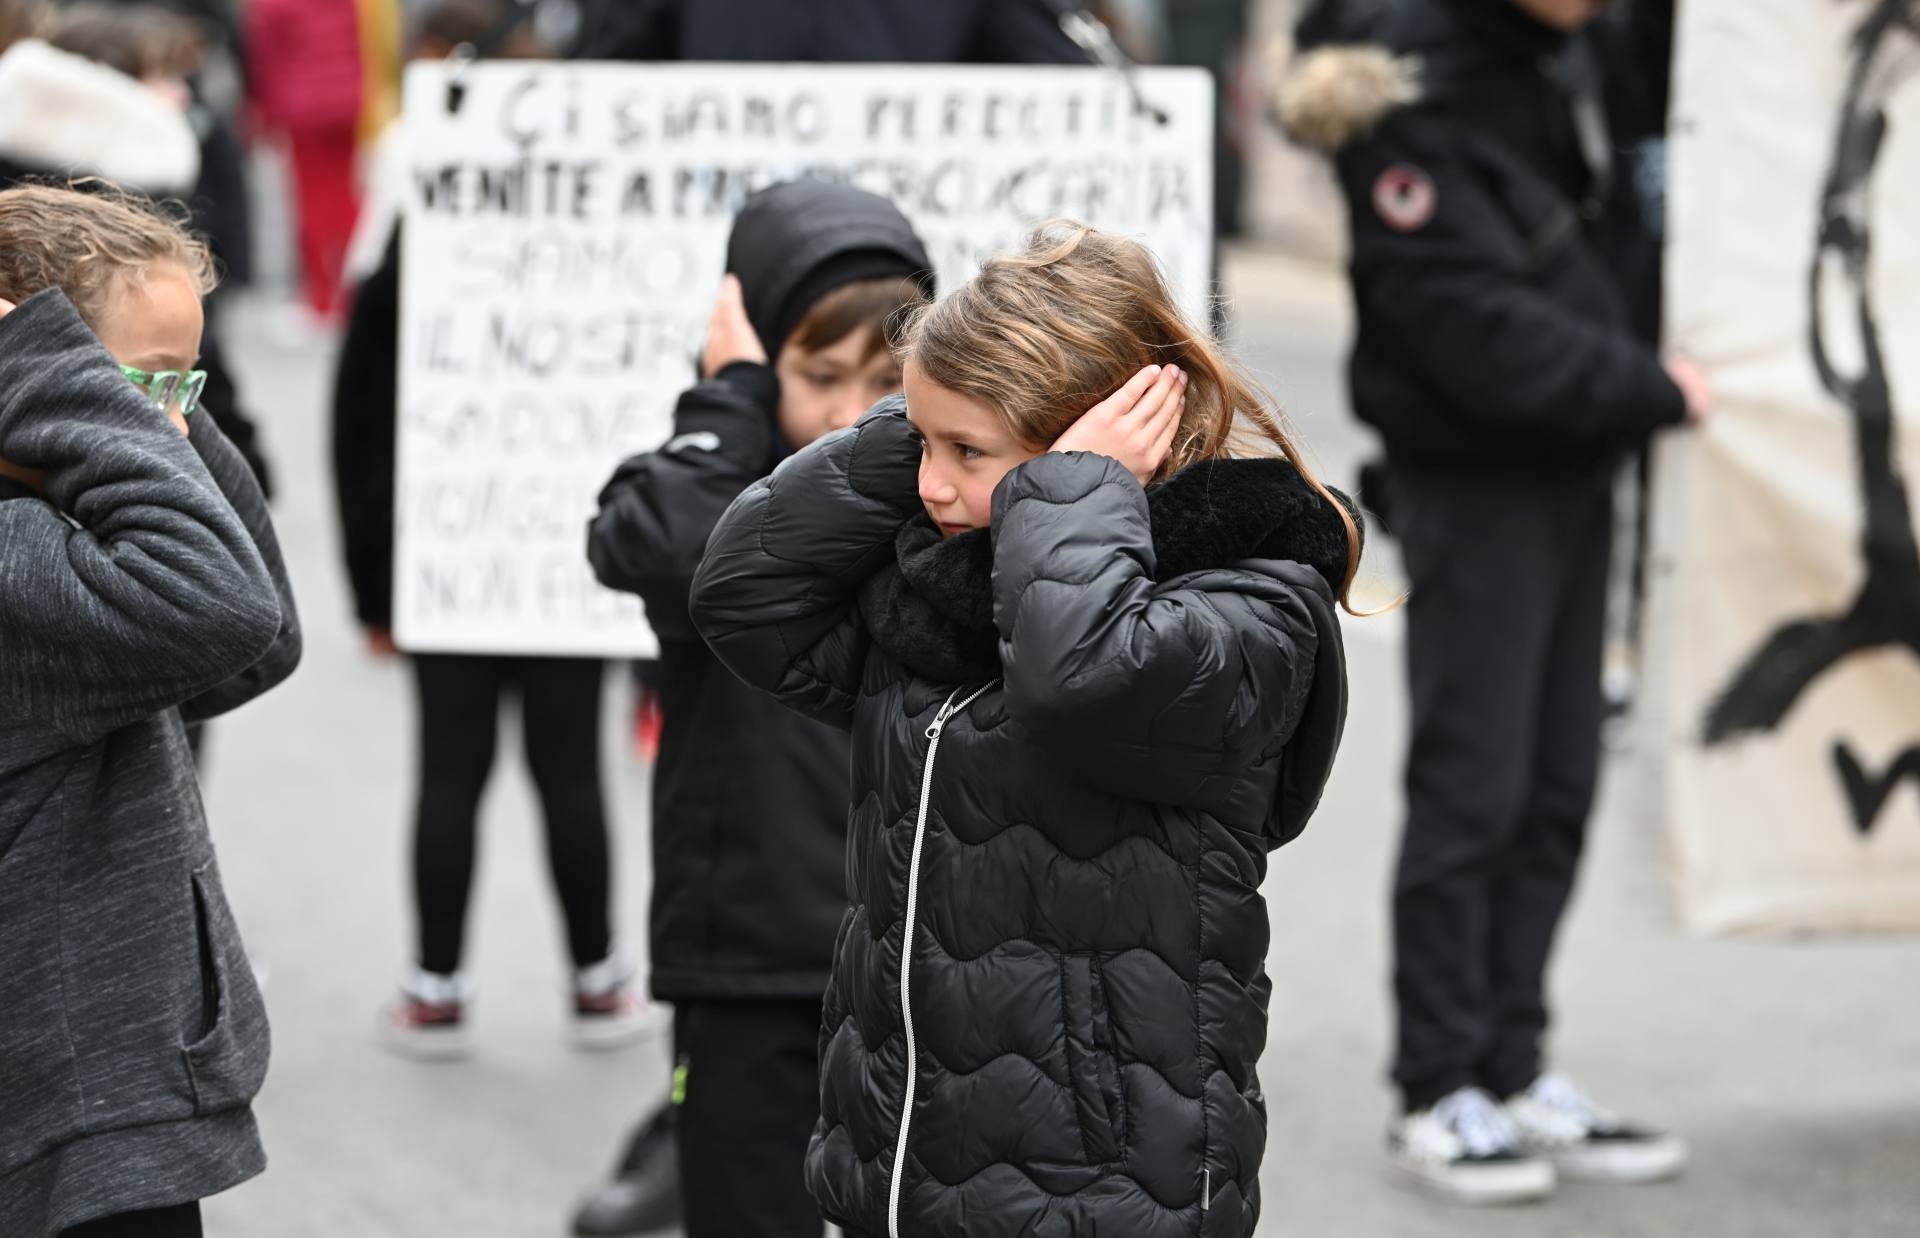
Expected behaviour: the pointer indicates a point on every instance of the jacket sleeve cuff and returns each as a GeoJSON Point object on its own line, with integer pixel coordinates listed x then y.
{"type": "Point", "coordinates": [883, 464]}
{"type": "Point", "coordinates": [754, 382]}
{"type": "Point", "coordinates": [1030, 539]}
{"type": "Point", "coordinates": [737, 407]}
{"type": "Point", "coordinates": [1670, 403]}
{"type": "Point", "coordinates": [1062, 477]}
{"type": "Point", "coordinates": [51, 317]}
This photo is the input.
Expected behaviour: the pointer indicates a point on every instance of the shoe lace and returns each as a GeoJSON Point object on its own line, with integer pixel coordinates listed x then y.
{"type": "Point", "coordinates": [1478, 1121]}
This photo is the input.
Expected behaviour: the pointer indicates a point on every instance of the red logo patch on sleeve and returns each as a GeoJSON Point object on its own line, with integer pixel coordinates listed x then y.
{"type": "Point", "coordinates": [1404, 198]}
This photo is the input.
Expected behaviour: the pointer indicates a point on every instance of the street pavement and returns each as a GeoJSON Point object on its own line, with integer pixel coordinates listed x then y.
{"type": "Point", "coordinates": [1792, 1066]}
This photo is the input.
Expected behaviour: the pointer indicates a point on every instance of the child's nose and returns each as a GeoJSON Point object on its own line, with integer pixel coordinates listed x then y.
{"type": "Point", "coordinates": [933, 487]}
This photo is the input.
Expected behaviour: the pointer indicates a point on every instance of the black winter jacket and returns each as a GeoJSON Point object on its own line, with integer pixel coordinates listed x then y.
{"type": "Point", "coordinates": [874, 31]}
{"type": "Point", "coordinates": [1483, 199]}
{"type": "Point", "coordinates": [1076, 737]}
{"type": "Point", "coordinates": [749, 800]}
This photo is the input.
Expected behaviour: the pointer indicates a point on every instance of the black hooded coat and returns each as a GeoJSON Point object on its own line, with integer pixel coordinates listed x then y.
{"type": "Point", "coordinates": [1076, 737]}
{"type": "Point", "coordinates": [749, 799]}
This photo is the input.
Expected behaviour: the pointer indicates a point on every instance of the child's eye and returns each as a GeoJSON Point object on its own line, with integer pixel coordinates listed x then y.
{"type": "Point", "coordinates": [968, 453]}
{"type": "Point", "coordinates": [823, 380]}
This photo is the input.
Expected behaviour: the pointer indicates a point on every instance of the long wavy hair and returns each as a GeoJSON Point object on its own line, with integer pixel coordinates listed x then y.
{"type": "Point", "coordinates": [1043, 335]}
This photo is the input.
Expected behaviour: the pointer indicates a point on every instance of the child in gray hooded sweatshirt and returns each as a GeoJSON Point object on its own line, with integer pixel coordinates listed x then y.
{"type": "Point", "coordinates": [141, 588]}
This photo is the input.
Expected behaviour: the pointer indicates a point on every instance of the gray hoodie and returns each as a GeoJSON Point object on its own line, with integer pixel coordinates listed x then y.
{"type": "Point", "coordinates": [144, 590]}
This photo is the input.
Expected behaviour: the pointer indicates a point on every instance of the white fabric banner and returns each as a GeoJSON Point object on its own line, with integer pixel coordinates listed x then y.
{"type": "Point", "coordinates": [566, 230]}
{"type": "Point", "coordinates": [1788, 578]}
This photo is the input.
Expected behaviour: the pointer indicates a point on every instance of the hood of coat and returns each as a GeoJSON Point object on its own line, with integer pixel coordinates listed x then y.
{"type": "Point", "coordinates": [794, 242]}
{"type": "Point", "coordinates": [931, 609]}
{"type": "Point", "coordinates": [1416, 51]}
{"type": "Point", "coordinates": [1332, 96]}
{"type": "Point", "coordinates": [67, 116]}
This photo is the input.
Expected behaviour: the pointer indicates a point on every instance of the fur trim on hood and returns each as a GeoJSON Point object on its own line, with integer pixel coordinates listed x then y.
{"type": "Point", "coordinates": [1334, 95]}
{"type": "Point", "coordinates": [67, 116]}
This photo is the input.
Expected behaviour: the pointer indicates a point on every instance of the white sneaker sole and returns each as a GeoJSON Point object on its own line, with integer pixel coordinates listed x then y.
{"type": "Point", "coordinates": [1482, 1186]}
{"type": "Point", "coordinates": [1655, 1160]}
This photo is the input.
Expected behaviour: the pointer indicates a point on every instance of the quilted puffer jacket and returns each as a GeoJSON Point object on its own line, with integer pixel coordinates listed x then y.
{"type": "Point", "coordinates": [1076, 736]}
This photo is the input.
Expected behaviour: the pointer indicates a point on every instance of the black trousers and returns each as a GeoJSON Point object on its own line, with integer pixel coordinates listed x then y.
{"type": "Point", "coordinates": [1505, 627]}
{"type": "Point", "coordinates": [459, 698]}
{"type": "Point", "coordinates": [178, 1222]}
{"type": "Point", "coordinates": [747, 1097]}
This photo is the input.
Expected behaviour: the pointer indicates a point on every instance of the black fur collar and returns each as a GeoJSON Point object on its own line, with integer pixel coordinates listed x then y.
{"type": "Point", "coordinates": [932, 608]}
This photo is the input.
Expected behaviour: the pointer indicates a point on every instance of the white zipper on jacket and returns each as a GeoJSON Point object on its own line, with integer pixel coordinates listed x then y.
{"type": "Point", "coordinates": [934, 731]}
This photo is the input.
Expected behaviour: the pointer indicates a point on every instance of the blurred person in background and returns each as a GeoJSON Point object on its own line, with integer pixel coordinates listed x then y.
{"type": "Point", "coordinates": [65, 115]}
{"type": "Point", "coordinates": [749, 839]}
{"type": "Point", "coordinates": [1499, 358]}
{"type": "Point", "coordinates": [459, 697]}
{"type": "Point", "coordinates": [316, 74]}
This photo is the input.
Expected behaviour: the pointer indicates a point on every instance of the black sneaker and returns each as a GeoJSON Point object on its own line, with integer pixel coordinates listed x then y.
{"type": "Point", "coordinates": [644, 1196]}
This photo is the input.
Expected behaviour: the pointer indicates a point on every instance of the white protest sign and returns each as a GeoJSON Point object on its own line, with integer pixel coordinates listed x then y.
{"type": "Point", "coordinates": [566, 230]}
{"type": "Point", "coordinates": [1789, 548]}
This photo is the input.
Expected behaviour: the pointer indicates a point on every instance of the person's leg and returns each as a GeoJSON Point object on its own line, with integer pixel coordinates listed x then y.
{"type": "Point", "coordinates": [1479, 621]}
{"type": "Point", "coordinates": [182, 1221]}
{"type": "Point", "coordinates": [750, 1098]}
{"type": "Point", "coordinates": [1532, 890]}
{"type": "Point", "coordinates": [459, 708]}
{"type": "Point", "coordinates": [328, 206]}
{"type": "Point", "coordinates": [561, 708]}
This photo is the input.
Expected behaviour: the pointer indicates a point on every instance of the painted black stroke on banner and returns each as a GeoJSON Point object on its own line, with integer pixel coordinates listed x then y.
{"type": "Point", "coordinates": [1886, 50]}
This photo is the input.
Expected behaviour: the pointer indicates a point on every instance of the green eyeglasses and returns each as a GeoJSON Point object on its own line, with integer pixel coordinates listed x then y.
{"type": "Point", "coordinates": [170, 389]}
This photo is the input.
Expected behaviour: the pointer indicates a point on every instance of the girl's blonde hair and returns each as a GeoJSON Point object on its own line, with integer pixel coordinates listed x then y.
{"type": "Point", "coordinates": [1043, 335]}
{"type": "Point", "coordinates": [89, 241]}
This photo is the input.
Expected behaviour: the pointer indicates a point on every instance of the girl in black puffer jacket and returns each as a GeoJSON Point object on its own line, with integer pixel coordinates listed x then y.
{"type": "Point", "coordinates": [1094, 675]}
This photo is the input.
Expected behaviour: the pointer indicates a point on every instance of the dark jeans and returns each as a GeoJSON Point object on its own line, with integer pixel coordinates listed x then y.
{"type": "Point", "coordinates": [1505, 627]}
{"type": "Point", "coordinates": [459, 699]}
{"type": "Point", "coordinates": [180, 1222]}
{"type": "Point", "coordinates": [751, 1098]}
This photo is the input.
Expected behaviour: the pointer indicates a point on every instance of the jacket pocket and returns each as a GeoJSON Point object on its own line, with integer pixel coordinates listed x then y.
{"type": "Point", "coordinates": [227, 1060]}
{"type": "Point", "coordinates": [1091, 1065]}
